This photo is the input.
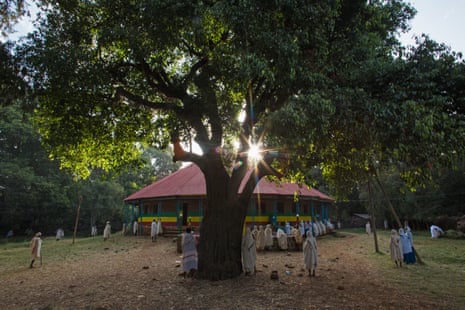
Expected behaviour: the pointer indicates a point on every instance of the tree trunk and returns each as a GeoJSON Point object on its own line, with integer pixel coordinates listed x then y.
{"type": "Point", "coordinates": [77, 218]}
{"type": "Point", "coordinates": [219, 249]}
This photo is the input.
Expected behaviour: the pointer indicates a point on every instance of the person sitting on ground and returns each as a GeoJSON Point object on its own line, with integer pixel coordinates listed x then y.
{"type": "Point", "coordinates": [436, 231]}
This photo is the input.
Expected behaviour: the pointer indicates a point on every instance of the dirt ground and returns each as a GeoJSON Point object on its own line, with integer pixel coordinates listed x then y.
{"type": "Point", "coordinates": [146, 276]}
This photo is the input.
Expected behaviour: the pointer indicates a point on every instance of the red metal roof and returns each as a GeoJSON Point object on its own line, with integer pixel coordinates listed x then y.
{"type": "Point", "coordinates": [190, 181]}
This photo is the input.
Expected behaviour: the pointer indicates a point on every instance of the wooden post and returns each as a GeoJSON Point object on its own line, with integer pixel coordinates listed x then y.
{"type": "Point", "coordinates": [371, 213]}
{"type": "Point", "coordinates": [77, 218]}
{"type": "Point", "coordinates": [396, 217]}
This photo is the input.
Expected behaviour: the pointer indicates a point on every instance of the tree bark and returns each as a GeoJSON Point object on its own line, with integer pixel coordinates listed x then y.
{"type": "Point", "coordinates": [219, 248]}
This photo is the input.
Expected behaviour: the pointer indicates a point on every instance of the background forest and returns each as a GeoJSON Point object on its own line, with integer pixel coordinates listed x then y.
{"type": "Point", "coordinates": [38, 195]}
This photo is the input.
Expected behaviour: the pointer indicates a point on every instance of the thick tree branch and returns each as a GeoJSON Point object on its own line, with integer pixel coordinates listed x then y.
{"type": "Point", "coordinates": [165, 106]}
{"type": "Point", "coordinates": [162, 82]}
{"type": "Point", "coordinates": [181, 155]}
{"type": "Point", "coordinates": [262, 169]}
{"type": "Point", "coordinates": [202, 62]}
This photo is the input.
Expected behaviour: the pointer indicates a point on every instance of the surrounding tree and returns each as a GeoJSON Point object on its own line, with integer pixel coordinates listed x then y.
{"type": "Point", "coordinates": [40, 196]}
{"type": "Point", "coordinates": [36, 192]}
{"type": "Point", "coordinates": [12, 86]}
{"type": "Point", "coordinates": [317, 79]}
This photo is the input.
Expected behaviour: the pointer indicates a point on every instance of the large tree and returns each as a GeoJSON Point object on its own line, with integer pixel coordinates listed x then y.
{"type": "Point", "coordinates": [110, 74]}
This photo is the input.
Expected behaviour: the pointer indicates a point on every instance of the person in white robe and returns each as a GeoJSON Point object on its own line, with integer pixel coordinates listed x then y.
{"type": "Point", "coordinates": [60, 234]}
{"type": "Point", "coordinates": [315, 228]}
{"type": "Point", "coordinates": [287, 227]}
{"type": "Point", "coordinates": [255, 232]}
{"type": "Point", "coordinates": [134, 228]}
{"type": "Point", "coordinates": [282, 239]}
{"type": "Point", "coordinates": [107, 231]}
{"type": "Point", "coordinates": [310, 252]}
{"type": "Point", "coordinates": [329, 226]}
{"type": "Point", "coordinates": [307, 226]}
{"type": "Point", "coordinates": [261, 238]}
{"type": "Point", "coordinates": [322, 228]}
{"type": "Point", "coordinates": [160, 227]}
{"type": "Point", "coordinates": [189, 253]}
{"type": "Point", "coordinates": [368, 228]}
{"type": "Point", "coordinates": [154, 230]}
{"type": "Point", "coordinates": [36, 248]}
{"type": "Point", "coordinates": [93, 231]}
{"type": "Point", "coordinates": [249, 252]}
{"type": "Point", "coordinates": [268, 237]}
{"type": "Point", "coordinates": [302, 228]}
{"type": "Point", "coordinates": [297, 237]}
{"type": "Point", "coordinates": [436, 231]}
{"type": "Point", "coordinates": [395, 248]}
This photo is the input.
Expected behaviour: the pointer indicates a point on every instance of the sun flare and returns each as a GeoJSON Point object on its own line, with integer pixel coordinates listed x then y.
{"type": "Point", "coordinates": [254, 153]}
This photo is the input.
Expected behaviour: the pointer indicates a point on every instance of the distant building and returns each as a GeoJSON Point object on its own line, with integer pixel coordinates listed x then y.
{"type": "Point", "coordinates": [359, 219]}
{"type": "Point", "coordinates": [180, 198]}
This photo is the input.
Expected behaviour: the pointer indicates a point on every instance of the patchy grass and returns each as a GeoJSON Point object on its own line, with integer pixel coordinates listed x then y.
{"type": "Point", "coordinates": [16, 254]}
{"type": "Point", "coordinates": [442, 276]}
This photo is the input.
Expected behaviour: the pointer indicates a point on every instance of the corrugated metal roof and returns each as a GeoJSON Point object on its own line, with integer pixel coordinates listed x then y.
{"type": "Point", "coordinates": [190, 181]}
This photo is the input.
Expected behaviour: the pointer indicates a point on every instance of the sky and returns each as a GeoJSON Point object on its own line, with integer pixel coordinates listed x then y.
{"type": "Point", "coordinates": [442, 20]}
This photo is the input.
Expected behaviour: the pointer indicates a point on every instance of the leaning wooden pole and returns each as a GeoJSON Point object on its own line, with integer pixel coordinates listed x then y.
{"type": "Point", "coordinates": [396, 217]}
{"type": "Point", "coordinates": [77, 218]}
{"type": "Point", "coordinates": [372, 216]}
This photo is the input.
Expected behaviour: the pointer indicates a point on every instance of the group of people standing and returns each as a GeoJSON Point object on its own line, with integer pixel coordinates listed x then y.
{"type": "Point", "coordinates": [264, 234]}
{"type": "Point", "coordinates": [249, 248]}
{"type": "Point", "coordinates": [155, 229]}
{"type": "Point", "coordinates": [249, 252]}
{"type": "Point", "coordinates": [401, 246]}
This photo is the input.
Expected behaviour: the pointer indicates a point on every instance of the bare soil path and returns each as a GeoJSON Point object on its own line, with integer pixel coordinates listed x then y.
{"type": "Point", "coordinates": [145, 275]}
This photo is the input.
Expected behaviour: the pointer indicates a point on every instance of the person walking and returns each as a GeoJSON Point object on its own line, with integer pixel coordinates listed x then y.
{"type": "Point", "coordinates": [310, 251]}
{"type": "Point", "coordinates": [36, 248]}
